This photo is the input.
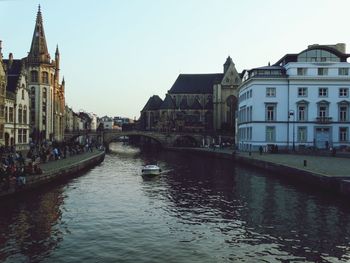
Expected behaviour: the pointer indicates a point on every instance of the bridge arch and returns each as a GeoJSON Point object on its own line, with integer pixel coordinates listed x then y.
{"type": "Point", "coordinates": [112, 137]}
{"type": "Point", "coordinates": [185, 141]}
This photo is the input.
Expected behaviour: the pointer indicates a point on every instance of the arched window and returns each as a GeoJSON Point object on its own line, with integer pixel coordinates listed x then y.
{"type": "Point", "coordinates": [45, 77]}
{"type": "Point", "coordinates": [22, 92]}
{"type": "Point", "coordinates": [20, 113]}
{"type": "Point", "coordinates": [34, 76]}
{"type": "Point", "coordinates": [25, 113]}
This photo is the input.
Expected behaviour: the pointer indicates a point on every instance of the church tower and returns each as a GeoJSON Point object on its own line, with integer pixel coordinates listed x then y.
{"type": "Point", "coordinates": [43, 83]}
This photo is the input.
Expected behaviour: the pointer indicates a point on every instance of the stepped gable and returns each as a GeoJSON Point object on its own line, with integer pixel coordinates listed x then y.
{"type": "Point", "coordinates": [153, 103]}
{"type": "Point", "coordinates": [196, 105]}
{"type": "Point", "coordinates": [168, 103]}
{"type": "Point", "coordinates": [195, 83]}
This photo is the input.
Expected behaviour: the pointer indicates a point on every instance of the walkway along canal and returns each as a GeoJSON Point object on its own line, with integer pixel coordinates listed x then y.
{"type": "Point", "coordinates": [330, 173]}
{"type": "Point", "coordinates": [51, 171]}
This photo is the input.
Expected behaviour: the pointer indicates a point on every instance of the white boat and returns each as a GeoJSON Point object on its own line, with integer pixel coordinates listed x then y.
{"type": "Point", "coordinates": [151, 170]}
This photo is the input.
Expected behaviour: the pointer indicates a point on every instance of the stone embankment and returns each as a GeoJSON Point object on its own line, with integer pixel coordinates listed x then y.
{"type": "Point", "coordinates": [55, 170]}
{"type": "Point", "coordinates": [331, 174]}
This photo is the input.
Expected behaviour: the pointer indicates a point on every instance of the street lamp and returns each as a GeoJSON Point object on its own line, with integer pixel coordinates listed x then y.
{"type": "Point", "coordinates": [291, 113]}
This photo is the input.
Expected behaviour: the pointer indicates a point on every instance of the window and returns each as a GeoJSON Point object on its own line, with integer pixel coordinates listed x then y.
{"type": "Point", "coordinates": [343, 71]}
{"type": "Point", "coordinates": [302, 92]}
{"type": "Point", "coordinates": [323, 92]}
{"type": "Point", "coordinates": [343, 92]}
{"type": "Point", "coordinates": [6, 115]}
{"type": "Point", "coordinates": [270, 112]}
{"type": "Point", "coordinates": [25, 120]}
{"type": "Point", "coordinates": [270, 92]}
{"type": "Point", "coordinates": [301, 71]}
{"type": "Point", "coordinates": [34, 76]}
{"type": "Point", "coordinates": [19, 136]}
{"type": "Point", "coordinates": [270, 134]}
{"type": "Point", "coordinates": [10, 114]}
{"type": "Point", "coordinates": [302, 113]}
{"type": "Point", "coordinates": [25, 136]}
{"type": "Point", "coordinates": [45, 77]}
{"type": "Point", "coordinates": [322, 71]}
{"type": "Point", "coordinates": [302, 134]}
{"type": "Point", "coordinates": [22, 94]}
{"type": "Point", "coordinates": [343, 134]}
{"type": "Point", "coordinates": [343, 113]}
{"type": "Point", "coordinates": [322, 110]}
{"type": "Point", "coordinates": [20, 112]}
{"type": "Point", "coordinates": [2, 111]}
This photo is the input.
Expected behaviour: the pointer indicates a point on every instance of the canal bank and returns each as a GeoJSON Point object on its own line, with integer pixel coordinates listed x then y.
{"type": "Point", "coordinates": [329, 173]}
{"type": "Point", "coordinates": [54, 170]}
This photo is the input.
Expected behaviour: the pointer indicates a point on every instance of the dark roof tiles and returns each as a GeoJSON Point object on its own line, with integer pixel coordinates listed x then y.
{"type": "Point", "coordinates": [195, 83]}
{"type": "Point", "coordinates": [153, 103]}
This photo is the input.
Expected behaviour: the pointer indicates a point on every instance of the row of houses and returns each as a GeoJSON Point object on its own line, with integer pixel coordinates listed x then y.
{"type": "Point", "coordinates": [301, 101]}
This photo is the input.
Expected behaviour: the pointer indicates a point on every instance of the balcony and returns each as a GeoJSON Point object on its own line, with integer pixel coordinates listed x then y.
{"type": "Point", "coordinates": [324, 119]}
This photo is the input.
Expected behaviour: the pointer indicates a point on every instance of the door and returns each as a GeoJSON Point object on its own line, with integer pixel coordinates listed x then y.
{"type": "Point", "coordinates": [322, 138]}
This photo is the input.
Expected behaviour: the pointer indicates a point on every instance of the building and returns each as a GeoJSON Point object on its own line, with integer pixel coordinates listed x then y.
{"type": "Point", "coordinates": [301, 101]}
{"type": "Point", "coordinates": [69, 119]}
{"type": "Point", "coordinates": [3, 83]}
{"type": "Point", "coordinates": [196, 103]}
{"type": "Point", "coordinates": [46, 93]}
{"type": "Point", "coordinates": [16, 105]}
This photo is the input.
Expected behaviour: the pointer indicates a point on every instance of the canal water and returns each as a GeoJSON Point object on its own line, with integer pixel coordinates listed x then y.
{"type": "Point", "coordinates": [199, 210]}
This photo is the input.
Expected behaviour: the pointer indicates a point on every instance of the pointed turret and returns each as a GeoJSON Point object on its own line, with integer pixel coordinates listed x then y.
{"type": "Point", "coordinates": [38, 51]}
{"type": "Point", "coordinates": [57, 61]}
{"type": "Point", "coordinates": [0, 50]}
{"type": "Point", "coordinates": [227, 63]}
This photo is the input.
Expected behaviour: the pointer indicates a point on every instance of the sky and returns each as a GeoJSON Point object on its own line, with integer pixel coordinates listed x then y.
{"type": "Point", "coordinates": [115, 54]}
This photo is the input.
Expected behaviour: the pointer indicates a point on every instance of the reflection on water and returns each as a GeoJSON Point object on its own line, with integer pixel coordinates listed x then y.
{"type": "Point", "coordinates": [201, 210]}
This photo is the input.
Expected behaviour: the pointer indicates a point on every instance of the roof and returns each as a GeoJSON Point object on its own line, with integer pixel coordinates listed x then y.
{"type": "Point", "coordinates": [168, 103]}
{"type": "Point", "coordinates": [293, 57]}
{"type": "Point", "coordinates": [13, 68]}
{"type": "Point", "coordinates": [153, 103]}
{"type": "Point", "coordinates": [195, 83]}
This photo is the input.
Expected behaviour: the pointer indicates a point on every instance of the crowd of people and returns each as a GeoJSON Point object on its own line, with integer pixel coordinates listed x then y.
{"type": "Point", "coordinates": [15, 166]}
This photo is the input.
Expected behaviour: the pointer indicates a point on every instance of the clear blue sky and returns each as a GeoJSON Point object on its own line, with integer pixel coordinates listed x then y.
{"type": "Point", "coordinates": [115, 54]}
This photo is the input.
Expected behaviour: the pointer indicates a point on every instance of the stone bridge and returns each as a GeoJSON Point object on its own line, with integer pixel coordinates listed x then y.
{"type": "Point", "coordinates": [164, 139]}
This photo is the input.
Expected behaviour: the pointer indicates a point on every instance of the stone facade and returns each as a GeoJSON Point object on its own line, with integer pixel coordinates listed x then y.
{"type": "Point", "coordinates": [46, 93]}
{"type": "Point", "coordinates": [17, 105]}
{"type": "Point", "coordinates": [204, 103]}
{"type": "Point", "coordinates": [3, 83]}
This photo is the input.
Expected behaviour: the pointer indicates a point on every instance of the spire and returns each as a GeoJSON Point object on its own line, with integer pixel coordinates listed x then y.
{"type": "Point", "coordinates": [0, 50]}
{"type": "Point", "coordinates": [228, 63]}
{"type": "Point", "coordinates": [38, 50]}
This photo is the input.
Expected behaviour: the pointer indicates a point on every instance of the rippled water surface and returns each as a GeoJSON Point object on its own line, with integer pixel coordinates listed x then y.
{"type": "Point", "coordinates": [199, 210]}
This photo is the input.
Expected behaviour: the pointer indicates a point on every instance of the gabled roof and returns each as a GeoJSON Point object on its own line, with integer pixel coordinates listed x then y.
{"type": "Point", "coordinates": [195, 83]}
{"type": "Point", "coordinates": [168, 103]}
{"type": "Point", "coordinates": [196, 105]}
{"type": "Point", "coordinates": [153, 103]}
{"type": "Point", "coordinates": [13, 68]}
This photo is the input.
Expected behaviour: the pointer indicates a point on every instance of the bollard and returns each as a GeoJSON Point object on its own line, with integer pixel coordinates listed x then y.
{"type": "Point", "coordinates": [305, 163]}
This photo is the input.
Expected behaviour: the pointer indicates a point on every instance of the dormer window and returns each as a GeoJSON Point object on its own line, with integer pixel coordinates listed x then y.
{"type": "Point", "coordinates": [301, 71]}
{"type": "Point", "coordinates": [322, 71]}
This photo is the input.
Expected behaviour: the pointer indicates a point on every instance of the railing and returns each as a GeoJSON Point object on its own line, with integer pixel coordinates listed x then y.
{"type": "Point", "coordinates": [324, 119]}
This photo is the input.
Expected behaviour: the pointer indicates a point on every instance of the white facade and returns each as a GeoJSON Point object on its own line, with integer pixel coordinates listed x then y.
{"type": "Point", "coordinates": [297, 103]}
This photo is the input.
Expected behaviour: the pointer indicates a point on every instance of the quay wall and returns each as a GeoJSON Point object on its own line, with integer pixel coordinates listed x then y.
{"type": "Point", "coordinates": [339, 185]}
{"type": "Point", "coordinates": [33, 181]}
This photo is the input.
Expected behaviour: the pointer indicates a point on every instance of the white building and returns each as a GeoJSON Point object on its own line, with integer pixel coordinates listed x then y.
{"type": "Point", "coordinates": [16, 106]}
{"type": "Point", "coordinates": [301, 101]}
